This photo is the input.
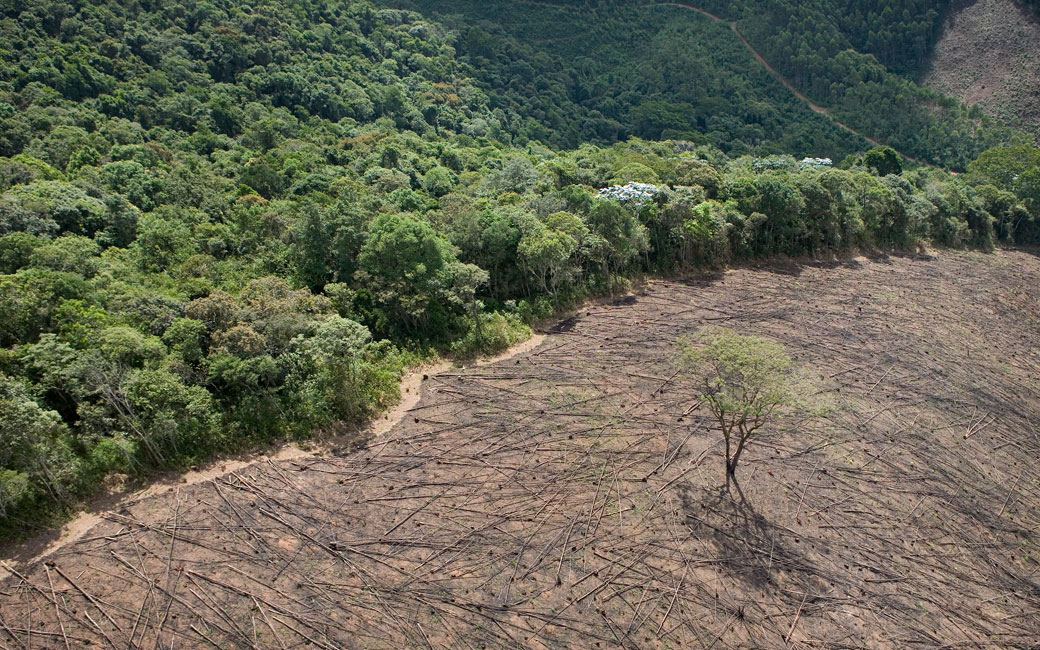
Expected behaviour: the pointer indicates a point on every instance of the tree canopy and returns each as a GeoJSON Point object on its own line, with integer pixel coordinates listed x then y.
{"type": "Point", "coordinates": [746, 381]}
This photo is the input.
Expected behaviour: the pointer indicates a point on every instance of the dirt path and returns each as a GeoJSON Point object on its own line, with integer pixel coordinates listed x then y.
{"type": "Point", "coordinates": [787, 84]}
{"type": "Point", "coordinates": [411, 386]}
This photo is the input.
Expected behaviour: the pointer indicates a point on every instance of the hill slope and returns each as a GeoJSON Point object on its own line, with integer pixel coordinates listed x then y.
{"type": "Point", "coordinates": [230, 224]}
{"type": "Point", "coordinates": [662, 68]}
{"type": "Point", "coordinates": [988, 56]}
{"type": "Point", "coordinates": [571, 497]}
{"type": "Point", "coordinates": [603, 73]}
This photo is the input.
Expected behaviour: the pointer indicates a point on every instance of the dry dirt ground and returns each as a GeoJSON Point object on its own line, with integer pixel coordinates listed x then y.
{"type": "Point", "coordinates": [570, 497]}
{"type": "Point", "coordinates": [988, 55]}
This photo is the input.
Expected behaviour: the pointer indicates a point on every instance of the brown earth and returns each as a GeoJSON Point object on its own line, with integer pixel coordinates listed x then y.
{"type": "Point", "coordinates": [121, 492]}
{"type": "Point", "coordinates": [40, 546]}
{"type": "Point", "coordinates": [989, 55]}
{"type": "Point", "coordinates": [570, 497]}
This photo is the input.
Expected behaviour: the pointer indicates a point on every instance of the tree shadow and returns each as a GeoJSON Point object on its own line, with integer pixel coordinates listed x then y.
{"type": "Point", "coordinates": [1022, 248]}
{"type": "Point", "coordinates": [563, 326]}
{"type": "Point", "coordinates": [625, 300]}
{"type": "Point", "coordinates": [751, 548]}
{"type": "Point", "coordinates": [696, 277]}
{"type": "Point", "coordinates": [795, 266]}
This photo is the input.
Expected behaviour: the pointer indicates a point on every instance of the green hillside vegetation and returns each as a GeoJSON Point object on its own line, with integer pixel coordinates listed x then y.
{"type": "Point", "coordinates": [225, 225]}
{"type": "Point", "coordinates": [819, 57]}
{"type": "Point", "coordinates": [666, 71]}
{"type": "Point", "coordinates": [900, 36]}
{"type": "Point", "coordinates": [636, 70]}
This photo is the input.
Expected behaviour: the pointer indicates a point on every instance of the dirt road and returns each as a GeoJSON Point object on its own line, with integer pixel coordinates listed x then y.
{"type": "Point", "coordinates": [779, 77]}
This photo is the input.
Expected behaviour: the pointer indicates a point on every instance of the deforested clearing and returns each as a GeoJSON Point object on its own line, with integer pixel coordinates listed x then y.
{"type": "Point", "coordinates": [572, 496]}
{"type": "Point", "coordinates": [987, 57]}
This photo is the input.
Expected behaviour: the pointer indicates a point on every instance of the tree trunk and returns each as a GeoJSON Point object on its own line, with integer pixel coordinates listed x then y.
{"type": "Point", "coordinates": [731, 467]}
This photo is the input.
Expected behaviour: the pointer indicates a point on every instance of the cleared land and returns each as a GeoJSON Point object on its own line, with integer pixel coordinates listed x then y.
{"type": "Point", "coordinates": [988, 56]}
{"type": "Point", "coordinates": [569, 497]}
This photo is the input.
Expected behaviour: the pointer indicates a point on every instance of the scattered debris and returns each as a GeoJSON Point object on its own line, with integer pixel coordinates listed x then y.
{"type": "Point", "coordinates": [571, 497]}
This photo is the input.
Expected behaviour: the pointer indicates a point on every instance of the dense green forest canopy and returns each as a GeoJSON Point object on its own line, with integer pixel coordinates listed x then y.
{"type": "Point", "coordinates": [659, 70]}
{"type": "Point", "coordinates": [900, 34]}
{"type": "Point", "coordinates": [224, 224]}
{"type": "Point", "coordinates": [603, 75]}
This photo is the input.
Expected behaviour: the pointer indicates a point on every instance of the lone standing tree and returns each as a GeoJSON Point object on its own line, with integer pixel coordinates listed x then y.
{"type": "Point", "coordinates": [746, 381]}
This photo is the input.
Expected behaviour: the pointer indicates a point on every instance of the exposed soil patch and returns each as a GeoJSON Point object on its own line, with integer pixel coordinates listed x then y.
{"type": "Point", "coordinates": [989, 55]}
{"type": "Point", "coordinates": [569, 497]}
{"type": "Point", "coordinates": [46, 543]}
{"type": "Point", "coordinates": [411, 385]}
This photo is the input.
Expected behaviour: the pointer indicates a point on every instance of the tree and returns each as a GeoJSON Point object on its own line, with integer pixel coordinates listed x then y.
{"type": "Point", "coordinates": [71, 253]}
{"type": "Point", "coordinates": [312, 249]}
{"type": "Point", "coordinates": [29, 299]}
{"type": "Point", "coordinates": [168, 418]}
{"type": "Point", "coordinates": [439, 181]}
{"type": "Point", "coordinates": [746, 382]}
{"type": "Point", "coordinates": [163, 241]}
{"type": "Point", "coordinates": [36, 456]}
{"type": "Point", "coordinates": [545, 252]}
{"type": "Point", "coordinates": [691, 171]}
{"type": "Point", "coordinates": [336, 351]}
{"type": "Point", "coordinates": [1004, 166]}
{"type": "Point", "coordinates": [185, 339]}
{"type": "Point", "coordinates": [50, 207]}
{"type": "Point", "coordinates": [705, 234]}
{"type": "Point", "coordinates": [621, 237]}
{"type": "Point", "coordinates": [883, 160]}
{"type": "Point", "coordinates": [16, 250]}
{"type": "Point", "coordinates": [653, 117]}
{"type": "Point", "coordinates": [408, 268]}
{"type": "Point", "coordinates": [517, 175]}
{"type": "Point", "coordinates": [338, 340]}
{"type": "Point", "coordinates": [131, 179]}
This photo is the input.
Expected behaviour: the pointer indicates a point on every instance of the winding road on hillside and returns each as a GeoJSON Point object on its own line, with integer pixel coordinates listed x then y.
{"type": "Point", "coordinates": [779, 77]}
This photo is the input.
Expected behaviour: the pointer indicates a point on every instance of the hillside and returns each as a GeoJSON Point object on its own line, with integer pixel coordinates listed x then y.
{"type": "Point", "coordinates": [232, 225]}
{"type": "Point", "coordinates": [988, 57]}
{"type": "Point", "coordinates": [660, 68]}
{"type": "Point", "coordinates": [636, 71]}
{"type": "Point", "coordinates": [240, 229]}
{"type": "Point", "coordinates": [571, 497]}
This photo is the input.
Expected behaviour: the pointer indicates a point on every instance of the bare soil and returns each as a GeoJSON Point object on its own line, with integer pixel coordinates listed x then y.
{"type": "Point", "coordinates": [569, 497]}
{"type": "Point", "coordinates": [121, 493]}
{"type": "Point", "coordinates": [989, 55]}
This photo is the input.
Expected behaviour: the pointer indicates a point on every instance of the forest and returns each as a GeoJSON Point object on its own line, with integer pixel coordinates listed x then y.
{"type": "Point", "coordinates": [228, 224]}
{"type": "Point", "coordinates": [662, 70]}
